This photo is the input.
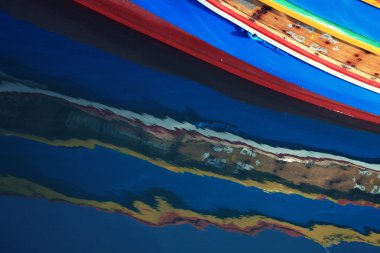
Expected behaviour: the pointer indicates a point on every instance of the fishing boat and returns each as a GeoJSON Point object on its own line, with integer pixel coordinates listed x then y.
{"type": "Point", "coordinates": [221, 47]}
{"type": "Point", "coordinates": [313, 46]}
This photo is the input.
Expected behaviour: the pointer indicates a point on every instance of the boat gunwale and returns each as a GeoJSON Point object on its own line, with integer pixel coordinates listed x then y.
{"type": "Point", "coordinates": [139, 19]}
{"type": "Point", "coordinates": [374, 3]}
{"type": "Point", "coordinates": [322, 24]}
{"type": "Point", "coordinates": [351, 77]}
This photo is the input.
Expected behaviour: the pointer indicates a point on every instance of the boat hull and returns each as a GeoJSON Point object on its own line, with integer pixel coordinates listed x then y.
{"type": "Point", "coordinates": [375, 3]}
{"type": "Point", "coordinates": [136, 17]}
{"type": "Point", "coordinates": [286, 46]}
{"type": "Point", "coordinates": [342, 33]}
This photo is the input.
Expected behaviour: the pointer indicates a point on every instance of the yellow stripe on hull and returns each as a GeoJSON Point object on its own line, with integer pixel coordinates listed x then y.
{"type": "Point", "coordinates": [372, 2]}
{"type": "Point", "coordinates": [325, 26]}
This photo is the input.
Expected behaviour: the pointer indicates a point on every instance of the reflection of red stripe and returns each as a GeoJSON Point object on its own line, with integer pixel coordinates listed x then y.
{"type": "Point", "coordinates": [292, 46]}
{"type": "Point", "coordinates": [143, 21]}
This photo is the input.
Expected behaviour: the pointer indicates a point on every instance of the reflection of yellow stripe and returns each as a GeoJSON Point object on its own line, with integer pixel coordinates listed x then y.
{"type": "Point", "coordinates": [325, 27]}
{"type": "Point", "coordinates": [267, 186]}
{"type": "Point", "coordinates": [163, 213]}
{"type": "Point", "coordinates": [373, 2]}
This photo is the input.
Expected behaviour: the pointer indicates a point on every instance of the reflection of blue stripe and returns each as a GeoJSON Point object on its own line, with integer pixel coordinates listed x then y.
{"type": "Point", "coordinates": [354, 15]}
{"type": "Point", "coordinates": [80, 71]}
{"type": "Point", "coordinates": [197, 20]}
{"type": "Point", "coordinates": [108, 173]}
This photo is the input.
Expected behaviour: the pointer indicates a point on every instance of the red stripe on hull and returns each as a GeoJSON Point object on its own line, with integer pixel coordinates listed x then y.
{"type": "Point", "coordinates": [137, 18]}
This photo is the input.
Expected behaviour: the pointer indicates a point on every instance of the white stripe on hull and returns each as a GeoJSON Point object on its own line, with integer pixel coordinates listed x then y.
{"type": "Point", "coordinates": [288, 50]}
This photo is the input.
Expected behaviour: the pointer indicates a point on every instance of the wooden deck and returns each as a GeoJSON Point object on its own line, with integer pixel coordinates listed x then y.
{"type": "Point", "coordinates": [340, 53]}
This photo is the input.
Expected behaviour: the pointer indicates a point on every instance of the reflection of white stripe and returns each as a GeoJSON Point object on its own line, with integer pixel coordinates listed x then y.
{"type": "Point", "coordinates": [288, 155]}
{"type": "Point", "coordinates": [290, 51]}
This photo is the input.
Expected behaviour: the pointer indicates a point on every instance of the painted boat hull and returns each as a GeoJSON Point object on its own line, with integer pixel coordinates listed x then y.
{"type": "Point", "coordinates": [136, 17]}
{"type": "Point", "coordinates": [375, 3]}
{"type": "Point", "coordinates": [290, 48]}
{"type": "Point", "coordinates": [340, 32]}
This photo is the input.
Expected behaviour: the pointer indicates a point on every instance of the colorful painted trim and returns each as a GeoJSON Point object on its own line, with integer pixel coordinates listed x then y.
{"type": "Point", "coordinates": [308, 18]}
{"type": "Point", "coordinates": [290, 48]}
{"type": "Point", "coordinates": [137, 18]}
{"type": "Point", "coordinates": [375, 3]}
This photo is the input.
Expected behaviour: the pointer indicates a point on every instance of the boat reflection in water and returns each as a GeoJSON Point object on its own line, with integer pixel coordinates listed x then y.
{"type": "Point", "coordinates": [122, 124]}
{"type": "Point", "coordinates": [303, 193]}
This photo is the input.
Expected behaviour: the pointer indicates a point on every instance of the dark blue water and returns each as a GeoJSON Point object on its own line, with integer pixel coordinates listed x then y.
{"type": "Point", "coordinates": [119, 173]}
{"type": "Point", "coordinates": [103, 232]}
{"type": "Point", "coordinates": [34, 222]}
